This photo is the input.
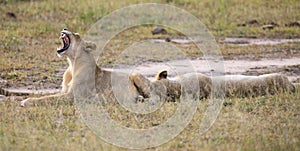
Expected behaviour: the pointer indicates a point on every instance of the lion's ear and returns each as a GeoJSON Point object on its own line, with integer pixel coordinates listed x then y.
{"type": "Point", "coordinates": [76, 35]}
{"type": "Point", "coordinates": [89, 46]}
{"type": "Point", "coordinates": [162, 75]}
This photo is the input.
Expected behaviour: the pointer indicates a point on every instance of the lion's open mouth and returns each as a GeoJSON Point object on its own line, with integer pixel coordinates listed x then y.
{"type": "Point", "coordinates": [65, 41]}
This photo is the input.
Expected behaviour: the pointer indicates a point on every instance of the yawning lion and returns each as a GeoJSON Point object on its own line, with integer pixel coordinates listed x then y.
{"type": "Point", "coordinates": [84, 72]}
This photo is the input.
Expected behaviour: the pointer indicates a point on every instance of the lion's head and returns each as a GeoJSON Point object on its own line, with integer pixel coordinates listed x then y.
{"type": "Point", "coordinates": [70, 41]}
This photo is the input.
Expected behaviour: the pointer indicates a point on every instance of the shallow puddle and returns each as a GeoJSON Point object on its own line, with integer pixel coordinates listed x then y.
{"type": "Point", "coordinates": [237, 41]}
{"type": "Point", "coordinates": [257, 41]}
{"type": "Point", "coordinates": [179, 41]}
{"type": "Point", "coordinates": [179, 67]}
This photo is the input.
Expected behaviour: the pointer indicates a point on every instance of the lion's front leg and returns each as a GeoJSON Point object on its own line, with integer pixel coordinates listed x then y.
{"type": "Point", "coordinates": [46, 100]}
{"type": "Point", "coordinates": [67, 80]}
{"type": "Point", "coordinates": [142, 84]}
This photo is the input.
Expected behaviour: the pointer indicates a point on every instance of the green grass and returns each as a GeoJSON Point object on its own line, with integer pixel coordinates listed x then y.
{"type": "Point", "coordinates": [28, 44]}
{"type": "Point", "coordinates": [263, 123]}
{"type": "Point", "coordinates": [34, 33]}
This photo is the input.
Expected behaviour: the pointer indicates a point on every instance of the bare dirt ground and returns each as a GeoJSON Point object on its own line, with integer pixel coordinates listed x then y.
{"type": "Point", "coordinates": [32, 83]}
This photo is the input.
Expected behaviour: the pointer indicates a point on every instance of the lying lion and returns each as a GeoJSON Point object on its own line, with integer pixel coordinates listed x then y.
{"type": "Point", "coordinates": [234, 85]}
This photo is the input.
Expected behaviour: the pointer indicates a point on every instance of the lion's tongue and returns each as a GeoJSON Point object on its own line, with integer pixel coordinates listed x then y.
{"type": "Point", "coordinates": [66, 40]}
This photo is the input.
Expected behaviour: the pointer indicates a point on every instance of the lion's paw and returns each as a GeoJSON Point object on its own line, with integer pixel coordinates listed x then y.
{"type": "Point", "coordinates": [25, 102]}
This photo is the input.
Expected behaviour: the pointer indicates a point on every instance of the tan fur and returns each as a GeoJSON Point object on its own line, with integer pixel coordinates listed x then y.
{"type": "Point", "coordinates": [173, 87]}
{"type": "Point", "coordinates": [235, 85]}
{"type": "Point", "coordinates": [83, 72]}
